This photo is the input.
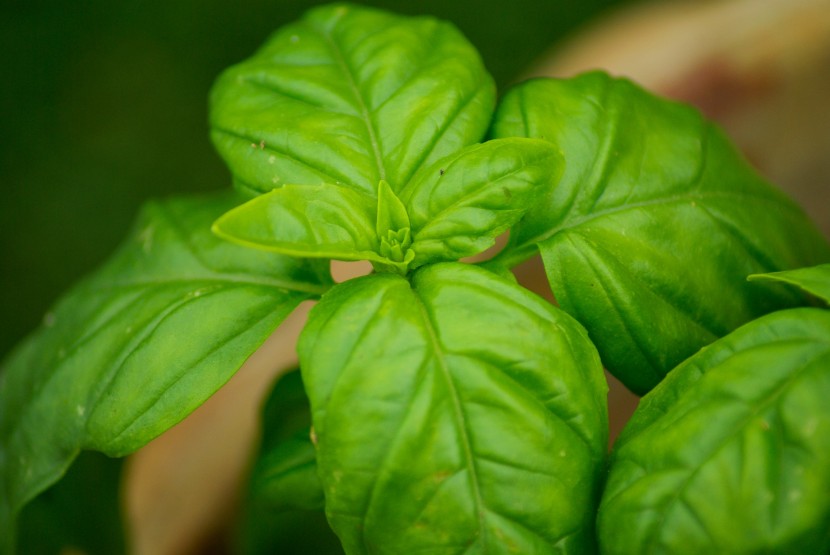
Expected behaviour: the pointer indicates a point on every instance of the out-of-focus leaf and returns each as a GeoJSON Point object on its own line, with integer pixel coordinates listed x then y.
{"type": "Point", "coordinates": [284, 509]}
{"type": "Point", "coordinates": [814, 280]}
{"type": "Point", "coordinates": [731, 452]}
{"type": "Point", "coordinates": [457, 413]}
{"type": "Point", "coordinates": [137, 346]}
{"type": "Point", "coordinates": [285, 473]}
{"type": "Point", "coordinates": [460, 204]}
{"type": "Point", "coordinates": [81, 512]}
{"type": "Point", "coordinates": [648, 237]}
{"type": "Point", "coordinates": [350, 96]}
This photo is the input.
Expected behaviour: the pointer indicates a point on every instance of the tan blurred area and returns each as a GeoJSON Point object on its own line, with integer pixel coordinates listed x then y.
{"type": "Point", "coordinates": [759, 67]}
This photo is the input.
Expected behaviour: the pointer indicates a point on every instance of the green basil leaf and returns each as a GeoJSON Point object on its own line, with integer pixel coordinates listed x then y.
{"type": "Point", "coordinates": [322, 221]}
{"type": "Point", "coordinates": [285, 473]}
{"type": "Point", "coordinates": [731, 452]}
{"type": "Point", "coordinates": [283, 512]}
{"type": "Point", "coordinates": [648, 237]}
{"type": "Point", "coordinates": [350, 95]}
{"type": "Point", "coordinates": [457, 413]}
{"type": "Point", "coordinates": [141, 343]}
{"type": "Point", "coordinates": [814, 280]}
{"type": "Point", "coordinates": [460, 204]}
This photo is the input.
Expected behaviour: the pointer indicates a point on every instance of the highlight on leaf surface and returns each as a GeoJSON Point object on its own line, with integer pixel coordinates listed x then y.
{"type": "Point", "coordinates": [457, 412]}
{"type": "Point", "coordinates": [139, 344]}
{"type": "Point", "coordinates": [350, 95]}
{"type": "Point", "coordinates": [731, 452]}
{"type": "Point", "coordinates": [649, 235]}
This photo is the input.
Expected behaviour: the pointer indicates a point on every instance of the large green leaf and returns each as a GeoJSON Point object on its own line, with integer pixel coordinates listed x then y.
{"type": "Point", "coordinates": [458, 413]}
{"type": "Point", "coordinates": [350, 95]}
{"type": "Point", "coordinates": [133, 349]}
{"type": "Point", "coordinates": [461, 203]}
{"type": "Point", "coordinates": [648, 237]}
{"type": "Point", "coordinates": [731, 452]}
{"type": "Point", "coordinates": [814, 280]}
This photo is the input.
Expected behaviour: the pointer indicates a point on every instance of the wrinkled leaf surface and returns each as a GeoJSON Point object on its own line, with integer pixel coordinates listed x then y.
{"type": "Point", "coordinates": [455, 414]}
{"type": "Point", "coordinates": [649, 235]}
{"type": "Point", "coordinates": [350, 95]}
{"type": "Point", "coordinates": [731, 452]}
{"type": "Point", "coordinates": [137, 346]}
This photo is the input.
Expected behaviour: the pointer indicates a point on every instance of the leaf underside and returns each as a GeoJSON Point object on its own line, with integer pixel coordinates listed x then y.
{"type": "Point", "coordinates": [458, 414]}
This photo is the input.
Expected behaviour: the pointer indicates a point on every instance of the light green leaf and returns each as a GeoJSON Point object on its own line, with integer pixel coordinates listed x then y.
{"type": "Point", "coordinates": [322, 221]}
{"type": "Point", "coordinates": [648, 237]}
{"type": "Point", "coordinates": [731, 452]}
{"type": "Point", "coordinates": [460, 204]}
{"type": "Point", "coordinates": [814, 280]}
{"type": "Point", "coordinates": [137, 346]}
{"type": "Point", "coordinates": [456, 414]}
{"type": "Point", "coordinates": [350, 95]}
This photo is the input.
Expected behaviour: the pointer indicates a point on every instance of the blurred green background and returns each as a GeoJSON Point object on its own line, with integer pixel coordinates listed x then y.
{"type": "Point", "coordinates": [104, 105]}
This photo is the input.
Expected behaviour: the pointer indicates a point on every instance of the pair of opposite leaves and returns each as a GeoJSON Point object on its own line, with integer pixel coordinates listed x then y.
{"type": "Point", "coordinates": [327, 102]}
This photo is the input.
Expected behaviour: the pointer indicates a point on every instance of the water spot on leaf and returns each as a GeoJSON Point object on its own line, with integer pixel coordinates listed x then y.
{"type": "Point", "coordinates": [49, 319]}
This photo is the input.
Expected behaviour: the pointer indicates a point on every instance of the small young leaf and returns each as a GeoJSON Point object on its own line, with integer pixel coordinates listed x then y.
{"type": "Point", "coordinates": [350, 95]}
{"type": "Point", "coordinates": [456, 414]}
{"type": "Point", "coordinates": [322, 221]}
{"type": "Point", "coordinates": [137, 346]}
{"type": "Point", "coordinates": [731, 452]}
{"type": "Point", "coordinates": [460, 204]}
{"type": "Point", "coordinates": [814, 280]}
{"type": "Point", "coordinates": [648, 237]}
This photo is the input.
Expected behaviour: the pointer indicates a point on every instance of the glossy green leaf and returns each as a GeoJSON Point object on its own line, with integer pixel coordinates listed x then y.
{"type": "Point", "coordinates": [460, 204]}
{"type": "Point", "coordinates": [322, 221]}
{"type": "Point", "coordinates": [731, 452]}
{"type": "Point", "coordinates": [458, 413]}
{"type": "Point", "coordinates": [650, 233]}
{"type": "Point", "coordinates": [137, 346]}
{"type": "Point", "coordinates": [814, 280]}
{"type": "Point", "coordinates": [350, 95]}
{"type": "Point", "coordinates": [285, 474]}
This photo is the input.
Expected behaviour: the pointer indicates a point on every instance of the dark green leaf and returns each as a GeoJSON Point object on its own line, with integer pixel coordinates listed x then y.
{"type": "Point", "coordinates": [461, 203]}
{"type": "Point", "coordinates": [350, 95]}
{"type": "Point", "coordinates": [322, 221]}
{"type": "Point", "coordinates": [731, 452]}
{"type": "Point", "coordinates": [284, 509]}
{"type": "Point", "coordinates": [814, 280]}
{"type": "Point", "coordinates": [285, 473]}
{"type": "Point", "coordinates": [79, 514]}
{"type": "Point", "coordinates": [136, 347]}
{"type": "Point", "coordinates": [648, 237]}
{"type": "Point", "coordinates": [457, 413]}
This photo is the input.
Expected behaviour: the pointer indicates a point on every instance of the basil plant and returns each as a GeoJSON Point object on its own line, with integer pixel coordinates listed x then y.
{"type": "Point", "coordinates": [440, 407]}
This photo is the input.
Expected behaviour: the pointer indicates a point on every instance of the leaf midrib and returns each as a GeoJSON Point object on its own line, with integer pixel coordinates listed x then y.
{"type": "Point", "coordinates": [460, 418]}
{"type": "Point", "coordinates": [366, 116]}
